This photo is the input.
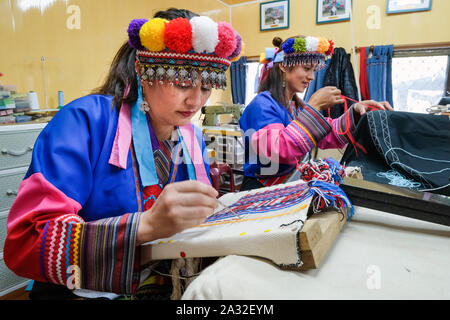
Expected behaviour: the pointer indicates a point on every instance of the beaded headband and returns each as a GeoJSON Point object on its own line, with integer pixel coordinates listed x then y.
{"type": "Point", "coordinates": [184, 52]}
{"type": "Point", "coordinates": [300, 50]}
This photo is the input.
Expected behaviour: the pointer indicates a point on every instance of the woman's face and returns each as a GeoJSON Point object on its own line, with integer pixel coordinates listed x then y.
{"type": "Point", "coordinates": [172, 105]}
{"type": "Point", "coordinates": [299, 77]}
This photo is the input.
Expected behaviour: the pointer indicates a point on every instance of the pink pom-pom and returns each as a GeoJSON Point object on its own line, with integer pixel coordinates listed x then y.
{"type": "Point", "coordinates": [227, 40]}
{"type": "Point", "coordinates": [178, 35]}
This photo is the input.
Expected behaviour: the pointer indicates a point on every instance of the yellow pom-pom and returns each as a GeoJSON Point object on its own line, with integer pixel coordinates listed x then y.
{"type": "Point", "coordinates": [152, 34]}
{"type": "Point", "coordinates": [262, 57]}
{"type": "Point", "coordinates": [323, 46]}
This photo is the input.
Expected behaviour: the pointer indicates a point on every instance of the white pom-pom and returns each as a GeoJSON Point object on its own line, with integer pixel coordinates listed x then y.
{"type": "Point", "coordinates": [312, 43]}
{"type": "Point", "coordinates": [205, 35]}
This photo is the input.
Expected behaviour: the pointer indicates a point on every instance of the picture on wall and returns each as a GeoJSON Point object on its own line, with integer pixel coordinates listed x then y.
{"type": "Point", "coordinates": [274, 15]}
{"type": "Point", "coordinates": [398, 6]}
{"type": "Point", "coordinates": [333, 10]}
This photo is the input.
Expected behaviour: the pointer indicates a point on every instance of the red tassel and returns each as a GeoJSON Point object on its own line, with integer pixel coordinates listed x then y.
{"type": "Point", "coordinates": [347, 120]}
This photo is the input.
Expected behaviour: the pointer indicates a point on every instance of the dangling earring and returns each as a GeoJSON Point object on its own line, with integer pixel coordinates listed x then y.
{"type": "Point", "coordinates": [144, 107]}
{"type": "Point", "coordinates": [283, 78]}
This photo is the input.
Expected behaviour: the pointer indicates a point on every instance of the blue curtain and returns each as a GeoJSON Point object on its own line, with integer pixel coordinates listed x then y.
{"type": "Point", "coordinates": [379, 73]}
{"type": "Point", "coordinates": [238, 72]}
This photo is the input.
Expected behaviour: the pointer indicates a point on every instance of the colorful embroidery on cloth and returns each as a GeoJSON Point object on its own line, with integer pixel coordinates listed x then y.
{"type": "Point", "coordinates": [272, 200]}
{"type": "Point", "coordinates": [324, 177]}
{"type": "Point", "coordinates": [273, 216]}
{"type": "Point", "coordinates": [262, 222]}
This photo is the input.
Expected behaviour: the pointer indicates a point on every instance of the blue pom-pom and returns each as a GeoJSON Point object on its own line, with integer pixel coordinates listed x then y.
{"type": "Point", "coordinates": [288, 46]}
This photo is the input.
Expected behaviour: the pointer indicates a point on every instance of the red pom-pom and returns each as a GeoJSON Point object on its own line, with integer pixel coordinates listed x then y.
{"type": "Point", "coordinates": [330, 49]}
{"type": "Point", "coordinates": [178, 35]}
{"type": "Point", "coordinates": [227, 40]}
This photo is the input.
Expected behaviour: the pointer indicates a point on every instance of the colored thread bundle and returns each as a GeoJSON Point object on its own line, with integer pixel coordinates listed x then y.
{"type": "Point", "coordinates": [324, 177]}
{"type": "Point", "coordinates": [329, 195]}
{"type": "Point", "coordinates": [326, 170]}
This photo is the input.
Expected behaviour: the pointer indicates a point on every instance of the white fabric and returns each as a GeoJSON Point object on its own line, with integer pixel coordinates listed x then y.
{"type": "Point", "coordinates": [376, 256]}
{"type": "Point", "coordinates": [263, 230]}
{"type": "Point", "coordinates": [91, 294]}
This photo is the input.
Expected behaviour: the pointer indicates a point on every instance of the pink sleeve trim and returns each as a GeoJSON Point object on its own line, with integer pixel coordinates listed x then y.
{"type": "Point", "coordinates": [282, 144]}
{"type": "Point", "coordinates": [36, 194]}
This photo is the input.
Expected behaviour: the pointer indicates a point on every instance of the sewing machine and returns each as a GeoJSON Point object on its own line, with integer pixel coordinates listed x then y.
{"type": "Point", "coordinates": [212, 113]}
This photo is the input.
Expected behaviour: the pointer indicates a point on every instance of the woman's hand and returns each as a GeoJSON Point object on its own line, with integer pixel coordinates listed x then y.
{"type": "Point", "coordinates": [325, 98]}
{"type": "Point", "coordinates": [181, 205]}
{"type": "Point", "coordinates": [362, 107]}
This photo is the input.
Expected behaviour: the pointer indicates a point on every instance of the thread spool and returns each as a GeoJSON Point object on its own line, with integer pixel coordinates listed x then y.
{"type": "Point", "coordinates": [33, 99]}
{"type": "Point", "coordinates": [60, 99]}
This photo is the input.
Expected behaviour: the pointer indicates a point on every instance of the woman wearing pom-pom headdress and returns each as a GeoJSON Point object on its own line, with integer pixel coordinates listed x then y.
{"type": "Point", "coordinates": [124, 165]}
{"type": "Point", "coordinates": [279, 128]}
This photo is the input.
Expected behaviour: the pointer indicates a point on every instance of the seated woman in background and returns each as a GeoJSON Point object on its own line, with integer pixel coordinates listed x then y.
{"type": "Point", "coordinates": [279, 128]}
{"type": "Point", "coordinates": [123, 166]}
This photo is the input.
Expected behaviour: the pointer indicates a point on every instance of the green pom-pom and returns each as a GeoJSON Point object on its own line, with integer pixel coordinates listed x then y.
{"type": "Point", "coordinates": [299, 45]}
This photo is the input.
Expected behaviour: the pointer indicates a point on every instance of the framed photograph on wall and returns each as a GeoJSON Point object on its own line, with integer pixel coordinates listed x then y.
{"type": "Point", "coordinates": [398, 6]}
{"type": "Point", "coordinates": [274, 15]}
{"type": "Point", "coordinates": [333, 10]}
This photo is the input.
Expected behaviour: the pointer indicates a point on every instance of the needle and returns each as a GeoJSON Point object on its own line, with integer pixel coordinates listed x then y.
{"type": "Point", "coordinates": [227, 207]}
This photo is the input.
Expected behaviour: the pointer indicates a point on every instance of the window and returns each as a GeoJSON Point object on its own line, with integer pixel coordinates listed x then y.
{"type": "Point", "coordinates": [251, 79]}
{"type": "Point", "coordinates": [419, 79]}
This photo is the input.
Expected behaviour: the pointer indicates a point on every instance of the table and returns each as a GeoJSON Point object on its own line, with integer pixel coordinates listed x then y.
{"type": "Point", "coordinates": [377, 255]}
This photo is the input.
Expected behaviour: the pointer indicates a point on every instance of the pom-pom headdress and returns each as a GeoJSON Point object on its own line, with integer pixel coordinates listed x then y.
{"type": "Point", "coordinates": [301, 50]}
{"type": "Point", "coordinates": [306, 50]}
{"type": "Point", "coordinates": [184, 52]}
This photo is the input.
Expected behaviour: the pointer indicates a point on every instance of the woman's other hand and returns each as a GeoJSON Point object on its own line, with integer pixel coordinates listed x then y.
{"type": "Point", "coordinates": [363, 107]}
{"type": "Point", "coordinates": [181, 205]}
{"type": "Point", "coordinates": [325, 98]}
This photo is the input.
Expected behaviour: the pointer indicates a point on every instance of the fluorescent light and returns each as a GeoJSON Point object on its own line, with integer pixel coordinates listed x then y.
{"type": "Point", "coordinates": [26, 5]}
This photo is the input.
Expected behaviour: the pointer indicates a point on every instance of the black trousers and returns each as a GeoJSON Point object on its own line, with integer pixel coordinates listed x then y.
{"type": "Point", "coordinates": [249, 183]}
{"type": "Point", "coordinates": [50, 291]}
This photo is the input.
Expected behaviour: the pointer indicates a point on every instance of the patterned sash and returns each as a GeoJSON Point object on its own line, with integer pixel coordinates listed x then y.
{"type": "Point", "coordinates": [163, 164]}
